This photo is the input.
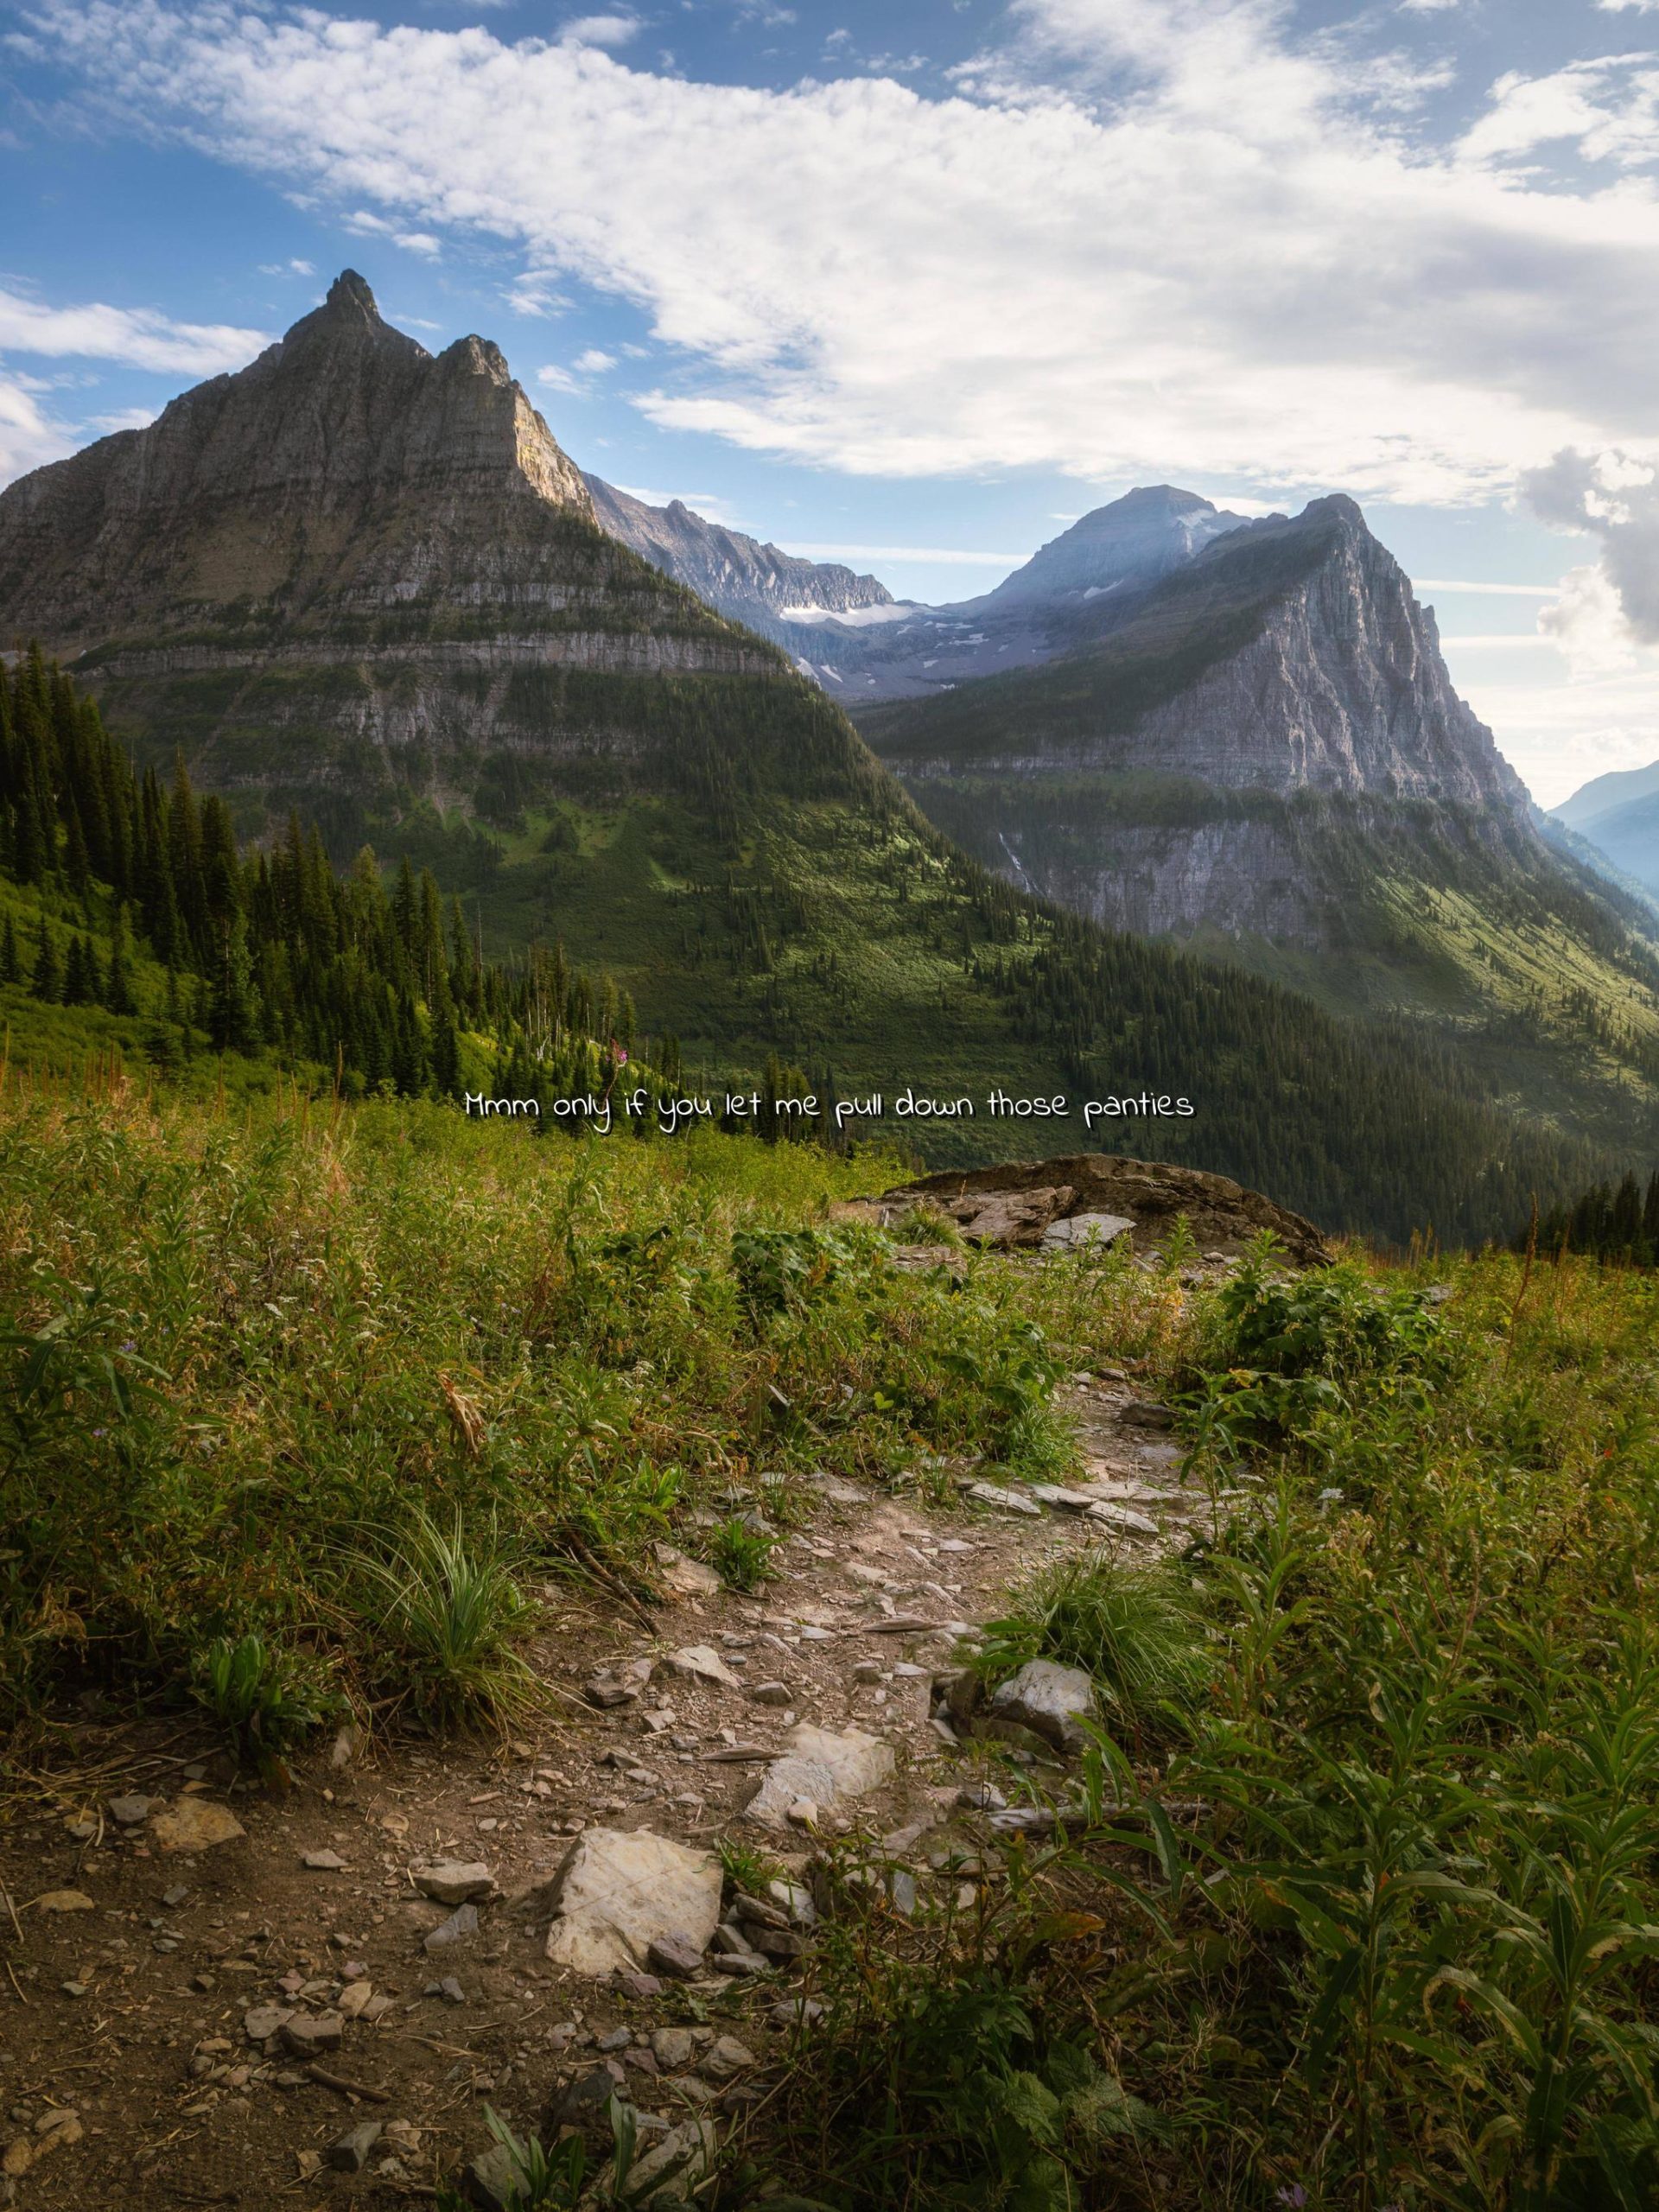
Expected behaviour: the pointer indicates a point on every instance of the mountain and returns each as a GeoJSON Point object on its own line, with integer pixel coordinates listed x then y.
{"type": "Point", "coordinates": [1618, 816]}
{"type": "Point", "coordinates": [1262, 755]}
{"type": "Point", "coordinates": [366, 582]}
{"type": "Point", "coordinates": [1089, 577]}
{"type": "Point", "coordinates": [779, 593]}
{"type": "Point", "coordinates": [1134, 540]}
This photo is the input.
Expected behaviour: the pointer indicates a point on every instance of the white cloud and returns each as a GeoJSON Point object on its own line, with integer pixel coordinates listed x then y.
{"type": "Point", "coordinates": [558, 379]}
{"type": "Point", "coordinates": [1427, 7]}
{"type": "Point", "coordinates": [594, 361]}
{"type": "Point", "coordinates": [28, 437]}
{"type": "Point", "coordinates": [287, 268]}
{"type": "Point", "coordinates": [125, 418]}
{"type": "Point", "coordinates": [1589, 624]}
{"type": "Point", "coordinates": [362, 222]}
{"type": "Point", "coordinates": [1148, 238]}
{"type": "Point", "coordinates": [1498, 591]}
{"type": "Point", "coordinates": [136, 336]}
{"type": "Point", "coordinates": [600, 30]}
{"type": "Point", "coordinates": [1619, 7]}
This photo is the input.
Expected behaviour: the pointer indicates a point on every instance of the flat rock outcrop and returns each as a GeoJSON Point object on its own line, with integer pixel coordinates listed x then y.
{"type": "Point", "coordinates": [1015, 1203]}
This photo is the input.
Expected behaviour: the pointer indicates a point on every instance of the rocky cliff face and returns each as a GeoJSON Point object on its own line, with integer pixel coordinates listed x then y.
{"type": "Point", "coordinates": [1266, 730]}
{"type": "Point", "coordinates": [753, 583]}
{"type": "Point", "coordinates": [331, 567]}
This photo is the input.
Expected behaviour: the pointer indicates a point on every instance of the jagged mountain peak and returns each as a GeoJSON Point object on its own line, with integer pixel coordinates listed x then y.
{"type": "Point", "coordinates": [346, 462]}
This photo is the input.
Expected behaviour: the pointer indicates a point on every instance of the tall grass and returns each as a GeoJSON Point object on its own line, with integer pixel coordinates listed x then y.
{"type": "Point", "coordinates": [244, 1353]}
{"type": "Point", "coordinates": [1402, 1952]}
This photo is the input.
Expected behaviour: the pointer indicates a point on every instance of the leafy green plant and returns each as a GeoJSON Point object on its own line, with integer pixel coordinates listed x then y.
{"type": "Point", "coordinates": [262, 1702]}
{"type": "Point", "coordinates": [1138, 1631]}
{"type": "Point", "coordinates": [743, 1555]}
{"type": "Point", "coordinates": [447, 1607]}
{"type": "Point", "coordinates": [777, 1269]}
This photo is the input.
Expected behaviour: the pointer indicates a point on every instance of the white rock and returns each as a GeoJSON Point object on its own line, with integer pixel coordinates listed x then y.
{"type": "Point", "coordinates": [618, 1891]}
{"type": "Point", "coordinates": [1005, 1500]}
{"type": "Point", "coordinates": [704, 1664]}
{"type": "Point", "coordinates": [1124, 1517]}
{"type": "Point", "coordinates": [786, 1784]}
{"type": "Point", "coordinates": [687, 1578]}
{"type": "Point", "coordinates": [858, 1762]}
{"type": "Point", "coordinates": [667, 2174]}
{"type": "Point", "coordinates": [1080, 1228]}
{"type": "Point", "coordinates": [1050, 1699]}
{"type": "Point", "coordinates": [819, 1768]}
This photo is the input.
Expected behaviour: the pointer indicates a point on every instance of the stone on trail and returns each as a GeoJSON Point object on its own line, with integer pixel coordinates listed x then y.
{"type": "Point", "coordinates": [461, 1923]}
{"type": "Point", "coordinates": [1062, 1500]}
{"type": "Point", "coordinates": [131, 1811]}
{"type": "Point", "coordinates": [857, 1761]}
{"type": "Point", "coordinates": [261, 2022]}
{"type": "Point", "coordinates": [619, 1892]}
{"type": "Point", "coordinates": [687, 1578]}
{"type": "Point", "coordinates": [1004, 1501]}
{"type": "Point", "coordinates": [349, 2153]}
{"type": "Point", "coordinates": [1050, 1699]}
{"type": "Point", "coordinates": [307, 2033]}
{"type": "Point", "coordinates": [453, 1881]}
{"type": "Point", "coordinates": [819, 1768]}
{"type": "Point", "coordinates": [677, 1956]}
{"type": "Point", "coordinates": [322, 1862]}
{"type": "Point", "coordinates": [1123, 1516]}
{"type": "Point", "coordinates": [196, 1824]}
{"type": "Point", "coordinates": [701, 1662]}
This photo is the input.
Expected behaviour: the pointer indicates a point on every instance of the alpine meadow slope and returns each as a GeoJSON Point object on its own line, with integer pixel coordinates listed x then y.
{"type": "Point", "coordinates": [366, 584]}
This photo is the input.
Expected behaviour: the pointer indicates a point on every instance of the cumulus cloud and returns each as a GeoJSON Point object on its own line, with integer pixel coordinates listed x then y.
{"type": "Point", "coordinates": [29, 436]}
{"type": "Point", "coordinates": [1144, 237]}
{"type": "Point", "coordinates": [136, 336]}
{"type": "Point", "coordinates": [1613, 496]}
{"type": "Point", "coordinates": [601, 30]}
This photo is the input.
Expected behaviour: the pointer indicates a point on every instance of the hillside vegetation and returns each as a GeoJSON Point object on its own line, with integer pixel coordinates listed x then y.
{"type": "Point", "coordinates": [303, 1408]}
{"type": "Point", "coordinates": [790, 906]}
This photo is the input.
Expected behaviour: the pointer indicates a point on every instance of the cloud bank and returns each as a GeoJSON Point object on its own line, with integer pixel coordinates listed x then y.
{"type": "Point", "coordinates": [1145, 237]}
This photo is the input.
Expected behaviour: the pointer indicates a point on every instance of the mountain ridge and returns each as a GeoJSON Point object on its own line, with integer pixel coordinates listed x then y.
{"type": "Point", "coordinates": [366, 582]}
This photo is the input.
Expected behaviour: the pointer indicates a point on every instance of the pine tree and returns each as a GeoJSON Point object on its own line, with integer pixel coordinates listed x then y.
{"type": "Point", "coordinates": [118, 991]}
{"type": "Point", "coordinates": [47, 980]}
{"type": "Point", "coordinates": [10, 967]}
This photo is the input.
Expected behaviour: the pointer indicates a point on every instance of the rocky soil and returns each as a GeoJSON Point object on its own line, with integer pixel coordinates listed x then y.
{"type": "Point", "coordinates": [213, 1993]}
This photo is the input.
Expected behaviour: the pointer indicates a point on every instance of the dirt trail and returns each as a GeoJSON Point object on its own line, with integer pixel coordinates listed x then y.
{"type": "Point", "coordinates": [128, 2079]}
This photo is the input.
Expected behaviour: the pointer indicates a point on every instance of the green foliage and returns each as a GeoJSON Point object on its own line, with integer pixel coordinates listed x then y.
{"type": "Point", "coordinates": [743, 1555]}
{"type": "Point", "coordinates": [779, 1270]}
{"type": "Point", "coordinates": [1377, 1927]}
{"type": "Point", "coordinates": [264, 1701]}
{"type": "Point", "coordinates": [444, 1606]}
{"type": "Point", "coordinates": [1140, 1631]}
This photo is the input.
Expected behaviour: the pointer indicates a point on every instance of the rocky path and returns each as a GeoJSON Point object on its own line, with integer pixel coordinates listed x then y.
{"type": "Point", "coordinates": [211, 1993]}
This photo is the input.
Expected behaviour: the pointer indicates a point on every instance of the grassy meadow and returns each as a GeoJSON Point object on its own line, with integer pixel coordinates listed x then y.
{"type": "Point", "coordinates": [1355, 1901]}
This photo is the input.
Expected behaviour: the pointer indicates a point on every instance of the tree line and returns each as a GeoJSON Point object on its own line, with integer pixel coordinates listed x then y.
{"type": "Point", "coordinates": [269, 949]}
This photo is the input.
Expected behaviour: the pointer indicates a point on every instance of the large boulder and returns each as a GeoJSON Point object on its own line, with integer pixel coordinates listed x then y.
{"type": "Point", "coordinates": [1019, 1202]}
{"type": "Point", "coordinates": [621, 1890]}
{"type": "Point", "coordinates": [1051, 1700]}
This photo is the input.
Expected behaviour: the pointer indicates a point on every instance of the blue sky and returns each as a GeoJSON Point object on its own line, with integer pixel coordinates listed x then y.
{"type": "Point", "coordinates": [913, 284]}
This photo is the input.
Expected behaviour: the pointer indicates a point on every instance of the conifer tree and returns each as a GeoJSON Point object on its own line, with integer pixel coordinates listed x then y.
{"type": "Point", "coordinates": [47, 981]}
{"type": "Point", "coordinates": [11, 967]}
